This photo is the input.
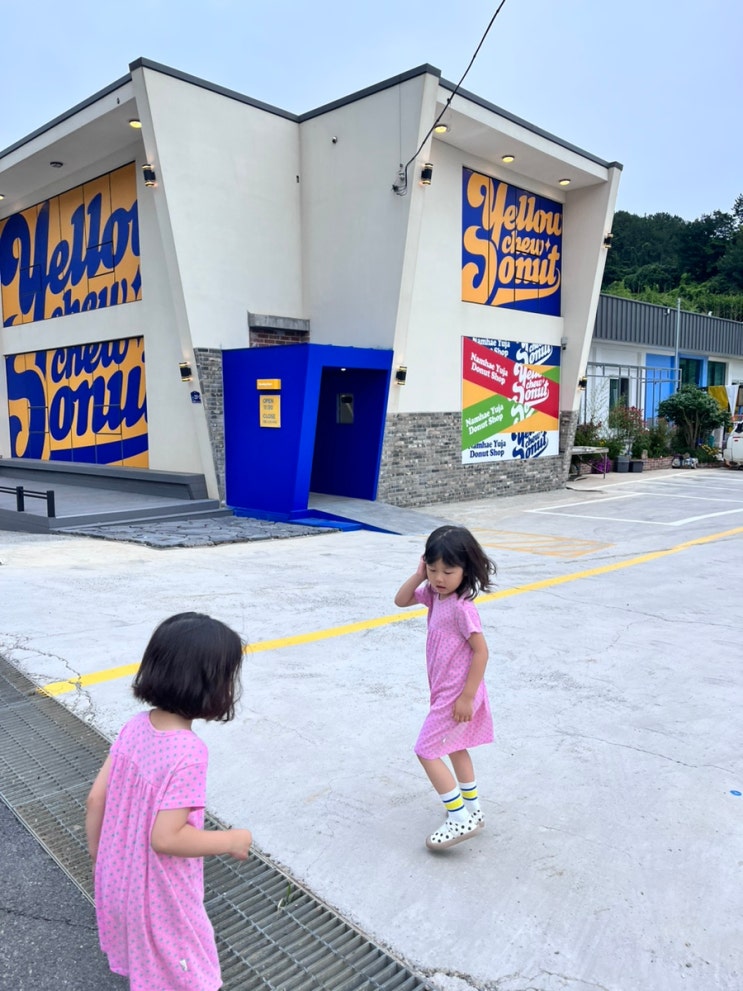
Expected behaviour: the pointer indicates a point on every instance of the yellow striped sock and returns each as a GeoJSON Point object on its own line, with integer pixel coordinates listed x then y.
{"type": "Point", "coordinates": [469, 794]}
{"type": "Point", "coordinates": [454, 805]}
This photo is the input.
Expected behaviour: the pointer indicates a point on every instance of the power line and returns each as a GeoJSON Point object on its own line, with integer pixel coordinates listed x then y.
{"type": "Point", "coordinates": [401, 187]}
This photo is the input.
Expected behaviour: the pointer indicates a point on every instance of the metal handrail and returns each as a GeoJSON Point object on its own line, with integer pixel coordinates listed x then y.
{"type": "Point", "coordinates": [20, 497]}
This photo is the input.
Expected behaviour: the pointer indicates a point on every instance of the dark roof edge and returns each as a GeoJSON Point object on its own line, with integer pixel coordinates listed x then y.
{"type": "Point", "coordinates": [403, 77]}
{"type": "Point", "coordinates": [420, 70]}
{"type": "Point", "coordinates": [66, 115]}
{"type": "Point", "coordinates": [166, 70]}
{"type": "Point", "coordinates": [530, 127]}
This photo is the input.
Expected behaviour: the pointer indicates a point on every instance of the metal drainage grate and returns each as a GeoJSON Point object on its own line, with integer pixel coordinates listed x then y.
{"type": "Point", "coordinates": [272, 934]}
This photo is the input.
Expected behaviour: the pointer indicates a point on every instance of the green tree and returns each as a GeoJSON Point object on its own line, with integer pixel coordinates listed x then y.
{"type": "Point", "coordinates": [730, 267]}
{"type": "Point", "coordinates": [695, 414]}
{"type": "Point", "coordinates": [659, 257]}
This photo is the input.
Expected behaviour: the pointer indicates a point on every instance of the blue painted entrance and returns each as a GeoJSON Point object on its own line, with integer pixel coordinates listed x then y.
{"type": "Point", "coordinates": [301, 418]}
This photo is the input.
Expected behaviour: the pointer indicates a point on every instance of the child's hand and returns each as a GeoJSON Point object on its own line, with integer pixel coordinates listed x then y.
{"type": "Point", "coordinates": [463, 709]}
{"type": "Point", "coordinates": [240, 840]}
{"type": "Point", "coordinates": [422, 573]}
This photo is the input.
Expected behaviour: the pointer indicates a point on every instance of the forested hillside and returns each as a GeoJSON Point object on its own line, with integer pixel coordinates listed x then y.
{"type": "Point", "coordinates": [661, 258]}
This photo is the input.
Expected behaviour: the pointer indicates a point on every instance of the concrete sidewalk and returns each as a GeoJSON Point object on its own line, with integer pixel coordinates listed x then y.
{"type": "Point", "coordinates": [611, 793]}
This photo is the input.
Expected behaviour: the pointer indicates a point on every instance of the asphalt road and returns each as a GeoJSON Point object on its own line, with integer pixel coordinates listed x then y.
{"type": "Point", "coordinates": [48, 934]}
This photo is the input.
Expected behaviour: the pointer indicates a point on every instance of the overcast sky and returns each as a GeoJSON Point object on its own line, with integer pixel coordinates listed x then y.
{"type": "Point", "coordinates": [654, 84]}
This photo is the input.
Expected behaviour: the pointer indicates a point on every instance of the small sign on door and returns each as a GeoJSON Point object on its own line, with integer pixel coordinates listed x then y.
{"type": "Point", "coordinates": [270, 411]}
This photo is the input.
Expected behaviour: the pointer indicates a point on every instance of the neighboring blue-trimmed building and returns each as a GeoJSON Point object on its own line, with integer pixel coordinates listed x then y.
{"type": "Point", "coordinates": [642, 351]}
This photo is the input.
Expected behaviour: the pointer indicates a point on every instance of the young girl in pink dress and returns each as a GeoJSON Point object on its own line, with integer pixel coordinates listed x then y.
{"type": "Point", "coordinates": [145, 812]}
{"type": "Point", "coordinates": [454, 568]}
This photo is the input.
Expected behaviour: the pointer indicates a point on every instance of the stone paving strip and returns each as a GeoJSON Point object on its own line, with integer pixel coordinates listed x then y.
{"type": "Point", "coordinates": [207, 532]}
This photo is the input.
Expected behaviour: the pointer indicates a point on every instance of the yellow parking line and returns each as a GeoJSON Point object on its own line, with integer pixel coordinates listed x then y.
{"type": "Point", "coordinates": [112, 674]}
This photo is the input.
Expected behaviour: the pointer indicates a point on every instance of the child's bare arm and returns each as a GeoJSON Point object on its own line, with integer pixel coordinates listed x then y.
{"type": "Point", "coordinates": [463, 705]}
{"type": "Point", "coordinates": [95, 808]}
{"type": "Point", "coordinates": [173, 834]}
{"type": "Point", "coordinates": [406, 593]}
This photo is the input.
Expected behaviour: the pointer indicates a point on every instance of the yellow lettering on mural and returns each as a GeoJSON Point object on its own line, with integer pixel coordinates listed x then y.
{"type": "Point", "coordinates": [478, 279]}
{"type": "Point", "coordinates": [515, 241]}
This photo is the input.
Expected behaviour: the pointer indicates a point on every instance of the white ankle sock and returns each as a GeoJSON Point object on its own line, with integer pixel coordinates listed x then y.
{"type": "Point", "coordinates": [454, 805]}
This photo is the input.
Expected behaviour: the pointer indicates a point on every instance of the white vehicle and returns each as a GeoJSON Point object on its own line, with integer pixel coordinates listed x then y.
{"type": "Point", "coordinates": [733, 452]}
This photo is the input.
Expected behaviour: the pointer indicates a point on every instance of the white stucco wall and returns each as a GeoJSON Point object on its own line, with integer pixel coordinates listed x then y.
{"type": "Point", "coordinates": [227, 203]}
{"type": "Point", "coordinates": [354, 226]}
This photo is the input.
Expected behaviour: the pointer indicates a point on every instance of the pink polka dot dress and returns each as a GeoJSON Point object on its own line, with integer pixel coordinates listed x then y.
{"type": "Point", "coordinates": [150, 907]}
{"type": "Point", "coordinates": [451, 622]}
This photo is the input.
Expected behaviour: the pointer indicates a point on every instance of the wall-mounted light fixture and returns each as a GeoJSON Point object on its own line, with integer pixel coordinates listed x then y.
{"type": "Point", "coordinates": [582, 383]}
{"type": "Point", "coordinates": [607, 240]}
{"type": "Point", "coordinates": [508, 158]}
{"type": "Point", "coordinates": [426, 174]}
{"type": "Point", "coordinates": [186, 371]}
{"type": "Point", "coordinates": [150, 179]}
{"type": "Point", "coordinates": [563, 342]}
{"type": "Point", "coordinates": [401, 374]}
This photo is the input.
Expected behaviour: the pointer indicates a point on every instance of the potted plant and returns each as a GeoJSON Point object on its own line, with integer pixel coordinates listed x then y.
{"type": "Point", "coordinates": [626, 423]}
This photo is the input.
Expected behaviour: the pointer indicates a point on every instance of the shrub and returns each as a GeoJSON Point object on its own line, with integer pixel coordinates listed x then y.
{"type": "Point", "coordinates": [587, 434]}
{"type": "Point", "coordinates": [706, 453]}
{"type": "Point", "coordinates": [659, 439]}
{"type": "Point", "coordinates": [695, 413]}
{"type": "Point", "coordinates": [640, 444]}
{"type": "Point", "coordinates": [602, 465]}
{"type": "Point", "coordinates": [615, 445]}
{"type": "Point", "coordinates": [626, 421]}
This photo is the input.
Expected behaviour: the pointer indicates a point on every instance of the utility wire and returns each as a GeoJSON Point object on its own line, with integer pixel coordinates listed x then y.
{"type": "Point", "coordinates": [401, 188]}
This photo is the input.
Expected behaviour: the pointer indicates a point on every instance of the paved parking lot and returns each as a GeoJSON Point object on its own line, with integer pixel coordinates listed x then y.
{"type": "Point", "coordinates": [612, 853]}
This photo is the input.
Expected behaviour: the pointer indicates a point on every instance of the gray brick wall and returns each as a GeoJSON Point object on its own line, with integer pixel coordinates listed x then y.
{"type": "Point", "coordinates": [421, 456]}
{"type": "Point", "coordinates": [421, 463]}
{"type": "Point", "coordinates": [209, 369]}
{"type": "Point", "coordinates": [272, 338]}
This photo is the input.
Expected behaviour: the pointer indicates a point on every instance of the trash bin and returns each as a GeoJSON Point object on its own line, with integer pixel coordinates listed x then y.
{"type": "Point", "coordinates": [622, 463]}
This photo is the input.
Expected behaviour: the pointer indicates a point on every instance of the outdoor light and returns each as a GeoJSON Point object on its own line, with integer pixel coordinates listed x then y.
{"type": "Point", "coordinates": [150, 179]}
{"type": "Point", "coordinates": [136, 124]}
{"type": "Point", "coordinates": [426, 174]}
{"type": "Point", "coordinates": [607, 240]}
{"type": "Point", "coordinates": [582, 382]}
{"type": "Point", "coordinates": [56, 165]}
{"type": "Point", "coordinates": [441, 129]}
{"type": "Point", "coordinates": [401, 373]}
{"type": "Point", "coordinates": [563, 342]}
{"type": "Point", "coordinates": [2, 196]}
{"type": "Point", "coordinates": [564, 182]}
{"type": "Point", "coordinates": [507, 158]}
{"type": "Point", "coordinates": [186, 371]}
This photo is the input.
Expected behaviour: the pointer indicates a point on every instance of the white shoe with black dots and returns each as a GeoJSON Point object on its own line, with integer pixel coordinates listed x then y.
{"type": "Point", "coordinates": [451, 832]}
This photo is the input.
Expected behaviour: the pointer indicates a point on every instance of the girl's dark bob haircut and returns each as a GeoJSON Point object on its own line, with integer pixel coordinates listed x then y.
{"type": "Point", "coordinates": [190, 668]}
{"type": "Point", "coordinates": [456, 547]}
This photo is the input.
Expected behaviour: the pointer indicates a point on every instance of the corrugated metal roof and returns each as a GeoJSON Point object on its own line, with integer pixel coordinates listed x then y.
{"type": "Point", "coordinates": [628, 321]}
